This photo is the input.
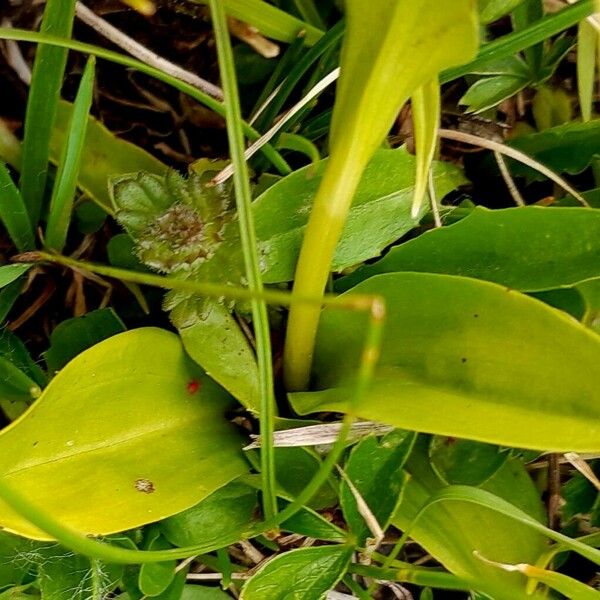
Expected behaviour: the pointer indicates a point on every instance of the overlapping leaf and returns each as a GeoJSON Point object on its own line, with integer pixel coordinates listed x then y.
{"type": "Point", "coordinates": [466, 358]}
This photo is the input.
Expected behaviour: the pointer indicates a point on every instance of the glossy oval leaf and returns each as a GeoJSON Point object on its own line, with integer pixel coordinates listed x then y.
{"type": "Point", "coordinates": [380, 212]}
{"type": "Point", "coordinates": [303, 574]}
{"type": "Point", "coordinates": [528, 248]}
{"type": "Point", "coordinates": [465, 358]}
{"type": "Point", "coordinates": [102, 448]}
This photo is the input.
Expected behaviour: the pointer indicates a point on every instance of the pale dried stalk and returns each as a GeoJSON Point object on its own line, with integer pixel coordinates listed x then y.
{"type": "Point", "coordinates": [227, 172]}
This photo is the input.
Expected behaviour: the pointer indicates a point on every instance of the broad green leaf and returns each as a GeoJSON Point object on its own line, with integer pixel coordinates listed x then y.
{"type": "Point", "coordinates": [226, 514]}
{"type": "Point", "coordinates": [492, 10]}
{"type": "Point", "coordinates": [109, 432]}
{"type": "Point", "coordinates": [72, 336]}
{"type": "Point", "coordinates": [528, 248]}
{"type": "Point", "coordinates": [155, 578]}
{"type": "Point", "coordinates": [295, 467]}
{"type": "Point", "coordinates": [201, 592]}
{"type": "Point", "coordinates": [13, 349]}
{"type": "Point", "coordinates": [508, 65]}
{"type": "Point", "coordinates": [89, 217]}
{"type": "Point", "coordinates": [303, 574]}
{"type": "Point", "coordinates": [380, 212]}
{"type": "Point", "coordinates": [375, 468]}
{"type": "Point", "coordinates": [14, 554]}
{"type": "Point", "coordinates": [42, 101]}
{"type": "Point", "coordinates": [451, 532]}
{"type": "Point", "coordinates": [464, 462]}
{"type": "Point", "coordinates": [465, 358]}
{"type": "Point", "coordinates": [8, 296]}
{"type": "Point", "coordinates": [309, 523]}
{"type": "Point", "coordinates": [216, 342]}
{"type": "Point", "coordinates": [10, 273]}
{"type": "Point", "coordinates": [490, 91]}
{"type": "Point", "coordinates": [63, 575]}
{"type": "Point", "coordinates": [567, 148]}
{"type": "Point", "coordinates": [65, 184]}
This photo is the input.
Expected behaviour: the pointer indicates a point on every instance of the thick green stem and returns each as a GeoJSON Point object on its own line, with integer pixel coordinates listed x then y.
{"type": "Point", "coordinates": [250, 249]}
{"type": "Point", "coordinates": [322, 234]}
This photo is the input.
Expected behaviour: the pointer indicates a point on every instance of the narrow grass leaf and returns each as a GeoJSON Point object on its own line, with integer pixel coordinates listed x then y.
{"type": "Point", "coordinates": [587, 39]}
{"type": "Point", "coordinates": [44, 94]}
{"type": "Point", "coordinates": [13, 212]}
{"type": "Point", "coordinates": [63, 194]}
{"type": "Point", "coordinates": [426, 111]}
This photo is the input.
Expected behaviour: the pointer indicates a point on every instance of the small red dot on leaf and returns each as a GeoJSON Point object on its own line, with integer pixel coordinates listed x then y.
{"type": "Point", "coordinates": [193, 386]}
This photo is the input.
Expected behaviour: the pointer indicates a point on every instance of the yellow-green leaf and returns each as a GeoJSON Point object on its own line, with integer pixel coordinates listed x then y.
{"type": "Point", "coordinates": [466, 358]}
{"type": "Point", "coordinates": [129, 432]}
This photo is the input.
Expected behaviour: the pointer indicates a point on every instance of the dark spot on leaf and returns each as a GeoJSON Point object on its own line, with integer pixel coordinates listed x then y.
{"type": "Point", "coordinates": [463, 360]}
{"type": "Point", "coordinates": [475, 316]}
{"type": "Point", "coordinates": [450, 441]}
{"type": "Point", "coordinates": [34, 443]}
{"type": "Point", "coordinates": [193, 386]}
{"type": "Point", "coordinates": [144, 485]}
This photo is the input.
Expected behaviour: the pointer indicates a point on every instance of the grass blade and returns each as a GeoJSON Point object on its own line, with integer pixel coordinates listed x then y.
{"type": "Point", "coordinates": [63, 193]}
{"type": "Point", "coordinates": [48, 70]}
{"type": "Point", "coordinates": [520, 40]}
{"type": "Point", "coordinates": [13, 212]}
{"type": "Point", "coordinates": [249, 246]}
{"type": "Point", "coordinates": [586, 68]}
